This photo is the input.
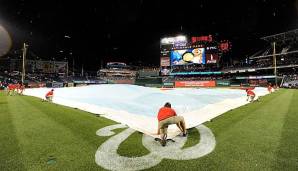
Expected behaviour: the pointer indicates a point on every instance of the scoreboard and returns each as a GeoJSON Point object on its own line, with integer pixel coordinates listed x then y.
{"type": "Point", "coordinates": [197, 50]}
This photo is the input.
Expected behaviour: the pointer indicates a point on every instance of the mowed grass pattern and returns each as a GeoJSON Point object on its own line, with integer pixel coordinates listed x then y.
{"type": "Point", "coordinates": [34, 132]}
{"type": "Point", "coordinates": [36, 135]}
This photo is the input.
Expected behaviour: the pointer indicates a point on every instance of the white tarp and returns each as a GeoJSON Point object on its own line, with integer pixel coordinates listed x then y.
{"type": "Point", "coordinates": [138, 106]}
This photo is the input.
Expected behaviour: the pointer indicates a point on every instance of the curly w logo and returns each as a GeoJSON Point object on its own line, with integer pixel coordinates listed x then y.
{"type": "Point", "coordinates": [106, 156]}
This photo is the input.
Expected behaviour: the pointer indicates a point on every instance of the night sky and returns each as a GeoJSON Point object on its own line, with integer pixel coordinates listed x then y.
{"type": "Point", "coordinates": [130, 31]}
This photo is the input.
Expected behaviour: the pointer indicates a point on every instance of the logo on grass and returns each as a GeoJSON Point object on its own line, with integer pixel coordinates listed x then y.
{"type": "Point", "coordinates": [107, 157]}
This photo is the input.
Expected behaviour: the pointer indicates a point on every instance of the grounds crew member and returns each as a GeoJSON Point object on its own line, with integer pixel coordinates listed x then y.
{"type": "Point", "coordinates": [250, 95]}
{"type": "Point", "coordinates": [11, 89]}
{"type": "Point", "coordinates": [22, 88]}
{"type": "Point", "coordinates": [269, 88]}
{"type": "Point", "coordinates": [167, 116]}
{"type": "Point", "coordinates": [49, 95]}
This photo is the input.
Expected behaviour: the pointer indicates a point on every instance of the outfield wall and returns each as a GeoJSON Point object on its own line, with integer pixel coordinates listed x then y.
{"type": "Point", "coordinates": [149, 81]}
{"type": "Point", "coordinates": [195, 84]}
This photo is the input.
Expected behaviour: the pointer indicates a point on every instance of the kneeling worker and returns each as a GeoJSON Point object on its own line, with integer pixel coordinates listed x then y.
{"type": "Point", "coordinates": [250, 95]}
{"type": "Point", "coordinates": [49, 95]}
{"type": "Point", "coordinates": [167, 116]}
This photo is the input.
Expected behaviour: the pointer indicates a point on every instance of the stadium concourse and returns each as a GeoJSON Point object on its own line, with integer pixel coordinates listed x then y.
{"type": "Point", "coordinates": [137, 106]}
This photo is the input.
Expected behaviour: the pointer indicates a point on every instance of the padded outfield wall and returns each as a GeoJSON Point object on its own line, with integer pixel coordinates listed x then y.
{"type": "Point", "coordinates": [149, 82]}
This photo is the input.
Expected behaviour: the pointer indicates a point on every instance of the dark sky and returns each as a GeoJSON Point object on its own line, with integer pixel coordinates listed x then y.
{"type": "Point", "coordinates": [130, 31]}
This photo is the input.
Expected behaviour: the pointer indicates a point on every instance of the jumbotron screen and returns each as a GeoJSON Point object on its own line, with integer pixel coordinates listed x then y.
{"type": "Point", "coordinates": [188, 56]}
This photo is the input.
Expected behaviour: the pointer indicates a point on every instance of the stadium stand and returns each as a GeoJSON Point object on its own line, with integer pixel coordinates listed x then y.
{"type": "Point", "coordinates": [257, 70]}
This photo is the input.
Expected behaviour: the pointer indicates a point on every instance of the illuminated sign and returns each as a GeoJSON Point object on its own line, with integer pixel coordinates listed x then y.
{"type": "Point", "coordinates": [165, 61]}
{"type": "Point", "coordinates": [211, 48]}
{"type": "Point", "coordinates": [174, 40]}
{"type": "Point", "coordinates": [195, 83]}
{"type": "Point", "coordinates": [188, 56]}
{"type": "Point", "coordinates": [180, 44]}
{"type": "Point", "coordinates": [202, 38]}
{"type": "Point", "coordinates": [225, 46]}
{"type": "Point", "coordinates": [212, 58]}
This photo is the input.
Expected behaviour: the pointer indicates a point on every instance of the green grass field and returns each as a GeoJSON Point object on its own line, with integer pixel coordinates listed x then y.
{"type": "Point", "coordinates": [36, 135]}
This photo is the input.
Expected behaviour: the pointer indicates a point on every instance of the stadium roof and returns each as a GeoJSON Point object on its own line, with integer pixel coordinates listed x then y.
{"type": "Point", "coordinates": [285, 36]}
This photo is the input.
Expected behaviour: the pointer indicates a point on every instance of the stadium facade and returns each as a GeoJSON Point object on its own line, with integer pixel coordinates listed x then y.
{"type": "Point", "coordinates": [184, 62]}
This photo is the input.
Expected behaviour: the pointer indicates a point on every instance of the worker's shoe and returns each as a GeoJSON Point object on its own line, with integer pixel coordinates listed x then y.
{"type": "Point", "coordinates": [163, 142]}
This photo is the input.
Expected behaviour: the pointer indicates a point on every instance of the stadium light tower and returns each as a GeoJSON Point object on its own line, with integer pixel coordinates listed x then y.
{"type": "Point", "coordinates": [274, 63]}
{"type": "Point", "coordinates": [24, 58]}
{"type": "Point", "coordinates": [68, 38]}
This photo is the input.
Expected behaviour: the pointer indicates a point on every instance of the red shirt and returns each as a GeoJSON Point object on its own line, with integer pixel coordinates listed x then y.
{"type": "Point", "coordinates": [250, 93]}
{"type": "Point", "coordinates": [165, 112]}
{"type": "Point", "coordinates": [11, 87]}
{"type": "Point", "coordinates": [50, 93]}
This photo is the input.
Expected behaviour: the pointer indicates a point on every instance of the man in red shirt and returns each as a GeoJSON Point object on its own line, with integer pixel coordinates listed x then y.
{"type": "Point", "coordinates": [167, 116]}
{"type": "Point", "coordinates": [10, 89]}
{"type": "Point", "coordinates": [22, 88]}
{"type": "Point", "coordinates": [49, 95]}
{"type": "Point", "coordinates": [250, 95]}
{"type": "Point", "coordinates": [269, 88]}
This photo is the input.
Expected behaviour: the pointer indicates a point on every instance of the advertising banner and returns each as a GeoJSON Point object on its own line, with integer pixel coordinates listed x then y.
{"type": "Point", "coordinates": [170, 84]}
{"type": "Point", "coordinates": [212, 58]}
{"type": "Point", "coordinates": [165, 71]}
{"type": "Point", "coordinates": [196, 73]}
{"type": "Point", "coordinates": [165, 53]}
{"type": "Point", "coordinates": [127, 81]}
{"type": "Point", "coordinates": [256, 77]}
{"type": "Point", "coordinates": [202, 39]}
{"type": "Point", "coordinates": [223, 83]}
{"type": "Point", "coordinates": [70, 84]}
{"type": "Point", "coordinates": [165, 61]}
{"type": "Point", "coordinates": [57, 85]}
{"type": "Point", "coordinates": [195, 84]}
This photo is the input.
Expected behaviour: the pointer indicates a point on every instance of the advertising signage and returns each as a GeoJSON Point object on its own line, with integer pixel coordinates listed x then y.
{"type": "Point", "coordinates": [165, 61]}
{"type": "Point", "coordinates": [202, 39]}
{"type": "Point", "coordinates": [183, 50]}
{"type": "Point", "coordinates": [212, 58]}
{"type": "Point", "coordinates": [195, 83]}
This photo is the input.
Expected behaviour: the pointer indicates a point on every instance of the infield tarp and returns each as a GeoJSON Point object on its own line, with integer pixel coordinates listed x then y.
{"type": "Point", "coordinates": [138, 106]}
